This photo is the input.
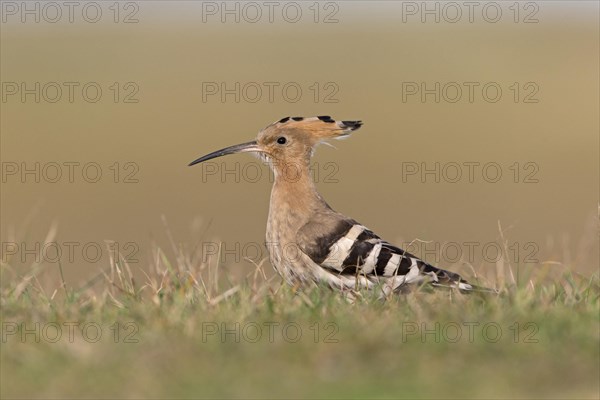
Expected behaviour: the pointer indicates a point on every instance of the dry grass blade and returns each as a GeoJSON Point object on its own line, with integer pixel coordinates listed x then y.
{"type": "Point", "coordinates": [225, 295]}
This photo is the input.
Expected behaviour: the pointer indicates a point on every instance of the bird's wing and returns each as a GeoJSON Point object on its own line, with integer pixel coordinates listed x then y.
{"type": "Point", "coordinates": [345, 247]}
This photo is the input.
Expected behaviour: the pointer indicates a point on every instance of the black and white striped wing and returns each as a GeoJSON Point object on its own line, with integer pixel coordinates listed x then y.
{"type": "Point", "coordinates": [352, 249]}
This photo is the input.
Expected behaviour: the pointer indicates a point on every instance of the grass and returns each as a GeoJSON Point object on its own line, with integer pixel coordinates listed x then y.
{"type": "Point", "coordinates": [188, 332]}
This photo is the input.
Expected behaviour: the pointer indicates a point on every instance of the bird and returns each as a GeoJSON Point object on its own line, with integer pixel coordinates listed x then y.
{"type": "Point", "coordinates": [309, 243]}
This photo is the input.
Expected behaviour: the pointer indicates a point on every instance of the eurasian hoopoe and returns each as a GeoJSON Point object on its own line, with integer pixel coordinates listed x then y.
{"type": "Point", "coordinates": [309, 242]}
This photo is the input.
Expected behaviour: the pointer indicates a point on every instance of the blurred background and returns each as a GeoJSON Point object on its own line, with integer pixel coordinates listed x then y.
{"type": "Point", "coordinates": [474, 117]}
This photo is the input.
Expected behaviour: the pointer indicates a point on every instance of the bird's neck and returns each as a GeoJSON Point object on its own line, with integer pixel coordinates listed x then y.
{"type": "Point", "coordinates": [294, 191]}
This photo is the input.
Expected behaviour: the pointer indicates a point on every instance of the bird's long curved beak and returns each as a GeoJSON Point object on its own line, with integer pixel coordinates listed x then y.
{"type": "Point", "coordinates": [238, 148]}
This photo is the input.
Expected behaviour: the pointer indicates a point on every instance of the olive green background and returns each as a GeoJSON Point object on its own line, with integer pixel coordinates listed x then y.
{"type": "Point", "coordinates": [366, 55]}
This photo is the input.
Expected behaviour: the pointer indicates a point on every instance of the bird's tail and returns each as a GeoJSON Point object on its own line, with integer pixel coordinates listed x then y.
{"type": "Point", "coordinates": [465, 287]}
{"type": "Point", "coordinates": [443, 278]}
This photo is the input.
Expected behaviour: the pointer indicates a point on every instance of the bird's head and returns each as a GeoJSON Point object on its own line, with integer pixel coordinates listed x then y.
{"type": "Point", "coordinates": [290, 140]}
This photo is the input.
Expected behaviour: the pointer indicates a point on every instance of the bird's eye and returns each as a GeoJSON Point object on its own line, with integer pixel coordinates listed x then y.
{"type": "Point", "coordinates": [281, 140]}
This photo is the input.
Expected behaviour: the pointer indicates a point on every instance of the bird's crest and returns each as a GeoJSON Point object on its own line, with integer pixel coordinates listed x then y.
{"type": "Point", "coordinates": [321, 127]}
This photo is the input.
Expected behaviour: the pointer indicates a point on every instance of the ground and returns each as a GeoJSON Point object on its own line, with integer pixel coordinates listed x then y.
{"type": "Point", "coordinates": [188, 333]}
